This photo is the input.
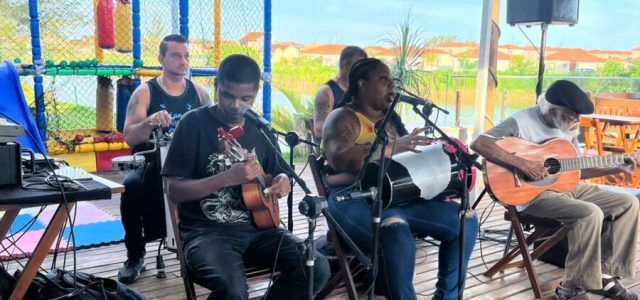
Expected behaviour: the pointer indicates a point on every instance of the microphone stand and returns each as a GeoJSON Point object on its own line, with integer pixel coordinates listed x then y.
{"type": "Point", "coordinates": [428, 104]}
{"type": "Point", "coordinates": [382, 140]}
{"type": "Point", "coordinates": [467, 161]}
{"type": "Point", "coordinates": [292, 140]}
{"type": "Point", "coordinates": [311, 206]}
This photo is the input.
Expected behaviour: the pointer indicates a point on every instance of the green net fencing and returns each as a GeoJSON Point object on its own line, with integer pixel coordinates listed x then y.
{"type": "Point", "coordinates": [78, 102]}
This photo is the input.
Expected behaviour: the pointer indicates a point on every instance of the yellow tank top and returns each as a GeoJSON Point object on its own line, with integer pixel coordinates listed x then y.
{"type": "Point", "coordinates": [367, 129]}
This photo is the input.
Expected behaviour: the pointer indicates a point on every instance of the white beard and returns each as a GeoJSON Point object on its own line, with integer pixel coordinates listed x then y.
{"type": "Point", "coordinates": [566, 127]}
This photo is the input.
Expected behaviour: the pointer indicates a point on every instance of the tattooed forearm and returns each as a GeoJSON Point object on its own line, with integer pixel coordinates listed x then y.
{"type": "Point", "coordinates": [132, 107]}
{"type": "Point", "coordinates": [205, 99]}
{"type": "Point", "coordinates": [322, 106]}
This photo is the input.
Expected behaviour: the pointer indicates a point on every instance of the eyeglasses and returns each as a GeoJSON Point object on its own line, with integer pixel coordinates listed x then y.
{"type": "Point", "coordinates": [569, 116]}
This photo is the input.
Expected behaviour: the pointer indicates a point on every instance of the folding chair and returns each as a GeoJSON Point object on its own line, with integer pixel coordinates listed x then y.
{"type": "Point", "coordinates": [542, 228]}
{"type": "Point", "coordinates": [254, 275]}
{"type": "Point", "coordinates": [344, 275]}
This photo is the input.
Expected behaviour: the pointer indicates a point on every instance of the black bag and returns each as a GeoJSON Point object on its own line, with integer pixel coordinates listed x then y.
{"type": "Point", "coordinates": [59, 284]}
{"type": "Point", "coordinates": [7, 282]}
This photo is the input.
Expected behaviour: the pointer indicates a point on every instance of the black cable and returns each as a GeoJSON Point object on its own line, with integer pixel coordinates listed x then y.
{"type": "Point", "coordinates": [62, 192]}
{"type": "Point", "coordinates": [527, 37]}
{"type": "Point", "coordinates": [275, 262]}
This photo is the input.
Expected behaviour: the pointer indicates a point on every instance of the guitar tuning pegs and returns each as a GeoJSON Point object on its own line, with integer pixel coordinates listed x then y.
{"type": "Point", "coordinates": [236, 132]}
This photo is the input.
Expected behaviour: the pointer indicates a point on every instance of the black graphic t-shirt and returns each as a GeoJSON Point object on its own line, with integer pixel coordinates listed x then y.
{"type": "Point", "coordinates": [195, 153]}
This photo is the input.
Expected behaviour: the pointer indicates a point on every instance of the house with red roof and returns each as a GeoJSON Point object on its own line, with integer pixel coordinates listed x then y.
{"type": "Point", "coordinates": [512, 50]}
{"type": "Point", "coordinates": [328, 53]}
{"type": "Point", "coordinates": [503, 63]}
{"type": "Point", "coordinates": [454, 48]}
{"type": "Point", "coordinates": [611, 54]}
{"type": "Point", "coordinates": [253, 39]}
{"type": "Point", "coordinates": [286, 50]}
{"type": "Point", "coordinates": [572, 60]}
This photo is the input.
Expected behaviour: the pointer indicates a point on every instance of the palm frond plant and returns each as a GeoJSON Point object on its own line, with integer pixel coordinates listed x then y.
{"type": "Point", "coordinates": [409, 47]}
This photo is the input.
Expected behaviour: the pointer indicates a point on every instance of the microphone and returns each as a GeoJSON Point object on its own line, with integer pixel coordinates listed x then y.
{"type": "Point", "coordinates": [414, 100]}
{"type": "Point", "coordinates": [371, 193]}
{"type": "Point", "coordinates": [246, 111]}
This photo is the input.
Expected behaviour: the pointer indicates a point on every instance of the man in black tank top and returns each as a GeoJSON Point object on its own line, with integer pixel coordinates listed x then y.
{"type": "Point", "coordinates": [332, 91]}
{"type": "Point", "coordinates": [159, 102]}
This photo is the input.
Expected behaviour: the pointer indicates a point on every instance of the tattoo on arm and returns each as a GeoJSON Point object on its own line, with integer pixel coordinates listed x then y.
{"type": "Point", "coordinates": [347, 136]}
{"type": "Point", "coordinates": [322, 106]}
{"type": "Point", "coordinates": [132, 107]}
{"type": "Point", "coordinates": [204, 98]}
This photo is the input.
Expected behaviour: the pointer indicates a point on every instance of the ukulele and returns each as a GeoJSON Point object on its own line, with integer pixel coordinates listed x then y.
{"type": "Point", "coordinates": [264, 208]}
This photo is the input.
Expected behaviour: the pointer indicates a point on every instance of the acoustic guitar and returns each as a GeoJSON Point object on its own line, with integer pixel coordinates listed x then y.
{"type": "Point", "coordinates": [264, 208]}
{"type": "Point", "coordinates": [510, 186]}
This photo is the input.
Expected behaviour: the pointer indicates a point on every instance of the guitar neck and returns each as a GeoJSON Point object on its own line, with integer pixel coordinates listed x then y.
{"type": "Point", "coordinates": [595, 161]}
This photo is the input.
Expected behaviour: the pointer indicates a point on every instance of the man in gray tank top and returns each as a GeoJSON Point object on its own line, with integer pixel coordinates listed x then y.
{"type": "Point", "coordinates": [159, 102]}
{"type": "Point", "coordinates": [602, 240]}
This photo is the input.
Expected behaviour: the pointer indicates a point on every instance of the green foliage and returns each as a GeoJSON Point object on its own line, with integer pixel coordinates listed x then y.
{"type": "Point", "coordinates": [281, 119]}
{"type": "Point", "coordinates": [634, 69]}
{"type": "Point", "coordinates": [440, 39]}
{"type": "Point", "coordinates": [409, 48]}
{"type": "Point", "coordinates": [610, 69]}
{"type": "Point", "coordinates": [16, 14]}
{"type": "Point", "coordinates": [522, 66]}
{"type": "Point", "coordinates": [303, 105]}
{"type": "Point", "coordinates": [305, 75]}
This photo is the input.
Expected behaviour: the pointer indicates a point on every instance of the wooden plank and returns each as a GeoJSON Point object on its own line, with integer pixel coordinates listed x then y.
{"type": "Point", "coordinates": [105, 261]}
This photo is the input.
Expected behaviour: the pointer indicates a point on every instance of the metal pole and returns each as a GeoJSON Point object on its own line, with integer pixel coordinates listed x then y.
{"type": "Point", "coordinates": [458, 108]}
{"type": "Point", "coordinates": [137, 38]}
{"type": "Point", "coordinates": [266, 88]}
{"type": "Point", "coordinates": [216, 33]}
{"type": "Point", "coordinates": [482, 76]}
{"type": "Point", "coordinates": [543, 44]}
{"type": "Point", "coordinates": [36, 59]}
{"type": "Point", "coordinates": [184, 18]}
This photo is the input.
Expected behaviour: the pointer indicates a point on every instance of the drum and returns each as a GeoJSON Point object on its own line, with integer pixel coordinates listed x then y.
{"type": "Point", "coordinates": [432, 173]}
{"type": "Point", "coordinates": [170, 241]}
{"type": "Point", "coordinates": [129, 162]}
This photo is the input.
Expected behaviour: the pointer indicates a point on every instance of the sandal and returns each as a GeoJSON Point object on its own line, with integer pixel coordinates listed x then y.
{"type": "Point", "coordinates": [613, 288]}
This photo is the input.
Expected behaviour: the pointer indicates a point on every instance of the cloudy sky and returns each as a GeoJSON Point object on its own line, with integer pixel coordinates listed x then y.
{"type": "Point", "coordinates": [613, 24]}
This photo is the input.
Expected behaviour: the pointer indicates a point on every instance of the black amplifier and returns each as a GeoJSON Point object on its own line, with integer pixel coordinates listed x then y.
{"type": "Point", "coordinates": [10, 164]}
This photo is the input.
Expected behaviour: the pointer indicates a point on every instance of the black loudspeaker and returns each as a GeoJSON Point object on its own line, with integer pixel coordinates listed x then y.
{"type": "Point", "coordinates": [528, 12]}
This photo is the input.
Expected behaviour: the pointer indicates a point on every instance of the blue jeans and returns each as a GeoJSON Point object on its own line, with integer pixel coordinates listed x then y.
{"type": "Point", "coordinates": [435, 218]}
{"type": "Point", "coordinates": [216, 255]}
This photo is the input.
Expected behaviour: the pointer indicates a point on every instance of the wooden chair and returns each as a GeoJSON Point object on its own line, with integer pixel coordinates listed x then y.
{"type": "Point", "coordinates": [344, 275]}
{"type": "Point", "coordinates": [254, 275]}
{"type": "Point", "coordinates": [543, 227]}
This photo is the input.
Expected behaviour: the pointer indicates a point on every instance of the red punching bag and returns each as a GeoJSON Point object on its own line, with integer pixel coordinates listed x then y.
{"type": "Point", "coordinates": [104, 24]}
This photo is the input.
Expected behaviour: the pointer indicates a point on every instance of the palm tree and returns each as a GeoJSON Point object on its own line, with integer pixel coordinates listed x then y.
{"type": "Point", "coordinates": [299, 121]}
{"type": "Point", "coordinates": [409, 48]}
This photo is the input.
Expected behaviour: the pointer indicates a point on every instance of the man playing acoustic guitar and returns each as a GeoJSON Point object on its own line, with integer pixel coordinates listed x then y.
{"type": "Point", "coordinates": [218, 231]}
{"type": "Point", "coordinates": [602, 241]}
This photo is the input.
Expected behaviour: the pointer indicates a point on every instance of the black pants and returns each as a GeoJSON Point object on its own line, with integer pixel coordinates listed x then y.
{"type": "Point", "coordinates": [142, 209]}
{"type": "Point", "coordinates": [216, 254]}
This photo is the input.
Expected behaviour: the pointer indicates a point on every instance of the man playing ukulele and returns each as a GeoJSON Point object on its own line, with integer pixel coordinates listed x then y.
{"type": "Point", "coordinates": [219, 234]}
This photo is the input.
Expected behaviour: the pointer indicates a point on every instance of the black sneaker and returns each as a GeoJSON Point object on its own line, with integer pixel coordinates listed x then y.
{"type": "Point", "coordinates": [131, 269]}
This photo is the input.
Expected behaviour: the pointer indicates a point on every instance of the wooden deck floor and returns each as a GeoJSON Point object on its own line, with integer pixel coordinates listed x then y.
{"type": "Point", "coordinates": [513, 284]}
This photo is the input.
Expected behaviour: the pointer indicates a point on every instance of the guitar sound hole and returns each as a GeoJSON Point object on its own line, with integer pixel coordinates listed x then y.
{"type": "Point", "coordinates": [552, 165]}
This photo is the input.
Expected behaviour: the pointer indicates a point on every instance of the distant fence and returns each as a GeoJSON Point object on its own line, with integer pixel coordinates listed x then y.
{"type": "Point", "coordinates": [74, 68]}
